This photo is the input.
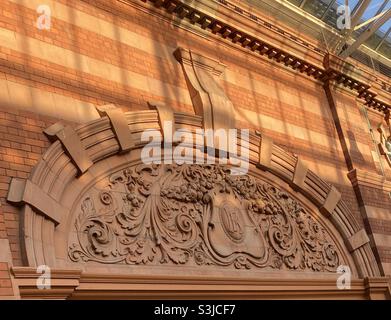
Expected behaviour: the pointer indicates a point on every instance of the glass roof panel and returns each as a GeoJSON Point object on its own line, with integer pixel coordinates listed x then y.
{"type": "Point", "coordinates": [316, 8]}
{"type": "Point", "coordinates": [376, 40]}
{"type": "Point", "coordinates": [387, 25]}
{"type": "Point", "coordinates": [326, 10]}
{"type": "Point", "coordinates": [374, 8]}
{"type": "Point", "coordinates": [352, 4]}
{"type": "Point", "coordinates": [330, 16]}
{"type": "Point", "coordinates": [385, 48]}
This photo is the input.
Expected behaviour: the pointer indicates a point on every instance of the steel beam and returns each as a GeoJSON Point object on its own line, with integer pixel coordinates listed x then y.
{"type": "Point", "coordinates": [369, 20]}
{"type": "Point", "coordinates": [366, 34]}
{"type": "Point", "coordinates": [361, 7]}
{"type": "Point", "coordinates": [302, 3]}
{"type": "Point", "coordinates": [385, 2]}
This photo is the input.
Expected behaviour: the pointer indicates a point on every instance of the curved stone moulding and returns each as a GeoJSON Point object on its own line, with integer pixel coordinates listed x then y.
{"type": "Point", "coordinates": [56, 172]}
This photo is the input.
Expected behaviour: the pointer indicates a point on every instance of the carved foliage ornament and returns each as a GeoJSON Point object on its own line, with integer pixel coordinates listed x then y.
{"type": "Point", "coordinates": [198, 215]}
{"type": "Point", "coordinates": [385, 140]}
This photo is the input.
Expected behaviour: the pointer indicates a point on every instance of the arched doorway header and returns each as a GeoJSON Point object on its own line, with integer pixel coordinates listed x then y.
{"type": "Point", "coordinates": [75, 153]}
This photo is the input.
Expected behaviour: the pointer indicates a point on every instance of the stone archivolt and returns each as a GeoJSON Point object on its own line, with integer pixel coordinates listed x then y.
{"type": "Point", "coordinates": [198, 215]}
{"type": "Point", "coordinates": [122, 213]}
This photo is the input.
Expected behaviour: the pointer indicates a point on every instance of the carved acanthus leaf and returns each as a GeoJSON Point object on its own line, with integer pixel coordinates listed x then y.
{"type": "Point", "coordinates": [198, 215]}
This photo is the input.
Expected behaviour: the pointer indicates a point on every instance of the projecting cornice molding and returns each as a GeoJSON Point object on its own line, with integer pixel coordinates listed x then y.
{"type": "Point", "coordinates": [231, 23]}
{"type": "Point", "coordinates": [368, 179]}
{"type": "Point", "coordinates": [75, 284]}
{"type": "Point", "coordinates": [360, 81]}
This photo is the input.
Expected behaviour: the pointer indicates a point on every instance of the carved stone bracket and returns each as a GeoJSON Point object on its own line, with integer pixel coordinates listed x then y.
{"type": "Point", "coordinates": [25, 192]}
{"type": "Point", "coordinates": [165, 113]}
{"type": "Point", "coordinates": [209, 99]}
{"type": "Point", "coordinates": [357, 240]}
{"type": "Point", "coordinates": [265, 151]}
{"type": "Point", "coordinates": [331, 201]}
{"type": "Point", "coordinates": [299, 175]}
{"type": "Point", "coordinates": [119, 124]}
{"type": "Point", "coordinates": [72, 145]}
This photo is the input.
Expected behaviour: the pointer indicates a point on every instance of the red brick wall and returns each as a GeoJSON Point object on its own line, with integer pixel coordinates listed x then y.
{"type": "Point", "coordinates": [22, 142]}
{"type": "Point", "coordinates": [6, 289]}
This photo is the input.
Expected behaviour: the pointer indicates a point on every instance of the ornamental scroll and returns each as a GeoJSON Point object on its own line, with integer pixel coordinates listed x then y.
{"type": "Point", "coordinates": [198, 215]}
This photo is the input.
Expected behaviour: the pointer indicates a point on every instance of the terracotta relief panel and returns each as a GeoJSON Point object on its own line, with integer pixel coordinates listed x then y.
{"type": "Point", "coordinates": [198, 215]}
